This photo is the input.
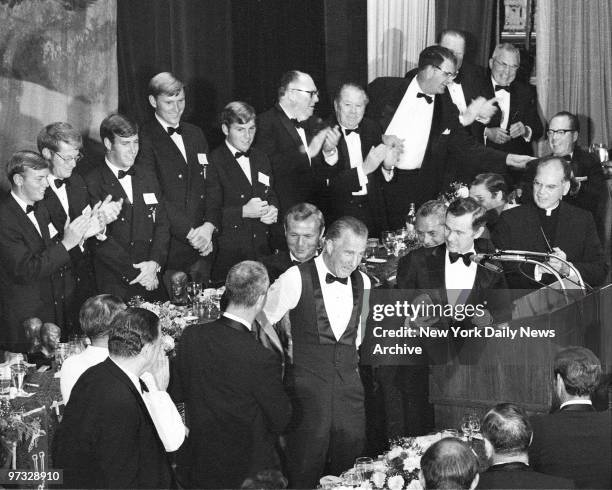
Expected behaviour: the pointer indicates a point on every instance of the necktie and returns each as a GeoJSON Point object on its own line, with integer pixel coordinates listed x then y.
{"type": "Point", "coordinates": [428, 98]}
{"type": "Point", "coordinates": [143, 386]}
{"type": "Point", "coordinates": [454, 257]}
{"type": "Point", "coordinates": [349, 131]}
{"type": "Point", "coordinates": [59, 183]}
{"type": "Point", "coordinates": [30, 208]}
{"type": "Point", "coordinates": [502, 87]}
{"type": "Point", "coordinates": [329, 278]}
{"type": "Point", "coordinates": [239, 154]}
{"type": "Point", "coordinates": [177, 130]}
{"type": "Point", "coordinates": [123, 173]}
{"type": "Point", "coordinates": [298, 124]}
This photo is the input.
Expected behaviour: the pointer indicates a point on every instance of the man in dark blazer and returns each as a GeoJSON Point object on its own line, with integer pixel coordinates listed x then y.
{"type": "Point", "coordinates": [176, 152]}
{"type": "Point", "coordinates": [240, 196]}
{"type": "Point", "coordinates": [444, 275]}
{"type": "Point", "coordinates": [231, 385]}
{"type": "Point", "coordinates": [507, 436]}
{"type": "Point", "coordinates": [107, 438]}
{"type": "Point", "coordinates": [67, 198]}
{"type": "Point", "coordinates": [550, 225]}
{"type": "Point", "coordinates": [575, 441]}
{"type": "Point", "coordinates": [35, 279]}
{"type": "Point", "coordinates": [129, 258]}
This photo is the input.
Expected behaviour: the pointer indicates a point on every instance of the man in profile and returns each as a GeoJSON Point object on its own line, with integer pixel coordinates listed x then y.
{"type": "Point", "coordinates": [491, 192]}
{"type": "Point", "coordinates": [449, 463]}
{"type": "Point", "coordinates": [429, 224]}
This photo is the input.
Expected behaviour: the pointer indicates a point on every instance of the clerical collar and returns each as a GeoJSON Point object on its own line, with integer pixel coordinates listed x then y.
{"type": "Point", "coordinates": [575, 402]}
{"type": "Point", "coordinates": [238, 319]}
{"type": "Point", "coordinates": [22, 204]}
{"type": "Point", "coordinates": [549, 211]}
{"type": "Point", "coordinates": [165, 124]}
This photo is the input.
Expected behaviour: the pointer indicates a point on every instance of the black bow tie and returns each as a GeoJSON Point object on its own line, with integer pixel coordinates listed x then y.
{"type": "Point", "coordinates": [59, 183]}
{"type": "Point", "coordinates": [298, 124]}
{"type": "Point", "coordinates": [428, 98]}
{"type": "Point", "coordinates": [329, 278]}
{"type": "Point", "coordinates": [567, 158]}
{"type": "Point", "coordinates": [30, 208]}
{"type": "Point", "coordinates": [123, 173]}
{"type": "Point", "coordinates": [502, 87]}
{"type": "Point", "coordinates": [177, 130]}
{"type": "Point", "coordinates": [459, 77]}
{"type": "Point", "coordinates": [295, 262]}
{"type": "Point", "coordinates": [349, 131]}
{"type": "Point", "coordinates": [239, 154]}
{"type": "Point", "coordinates": [454, 257]}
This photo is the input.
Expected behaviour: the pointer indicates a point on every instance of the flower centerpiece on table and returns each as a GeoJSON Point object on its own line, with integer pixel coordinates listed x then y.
{"type": "Point", "coordinates": [455, 190]}
{"type": "Point", "coordinates": [13, 427]}
{"type": "Point", "coordinates": [172, 320]}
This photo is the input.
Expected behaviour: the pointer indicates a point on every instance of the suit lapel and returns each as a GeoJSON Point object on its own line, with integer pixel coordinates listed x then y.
{"type": "Point", "coordinates": [25, 223]}
{"type": "Point", "coordinates": [235, 173]}
{"type": "Point", "coordinates": [435, 267]}
{"type": "Point", "coordinates": [289, 126]}
{"type": "Point", "coordinates": [165, 139]}
{"type": "Point", "coordinates": [56, 210]}
{"type": "Point", "coordinates": [111, 184]}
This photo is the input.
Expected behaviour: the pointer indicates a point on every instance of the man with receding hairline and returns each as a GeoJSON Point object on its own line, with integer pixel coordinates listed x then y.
{"type": "Point", "coordinates": [449, 463]}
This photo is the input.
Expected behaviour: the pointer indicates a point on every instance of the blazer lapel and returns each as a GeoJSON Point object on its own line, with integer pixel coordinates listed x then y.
{"type": "Point", "coordinates": [111, 184]}
{"type": "Point", "coordinates": [56, 210]}
{"type": "Point", "coordinates": [27, 226]}
{"type": "Point", "coordinates": [164, 138]}
{"type": "Point", "coordinates": [435, 268]}
{"type": "Point", "coordinates": [289, 126]}
{"type": "Point", "coordinates": [235, 173]}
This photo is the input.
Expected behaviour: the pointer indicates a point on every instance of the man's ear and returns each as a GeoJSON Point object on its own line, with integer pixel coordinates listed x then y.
{"type": "Point", "coordinates": [153, 102]}
{"type": "Point", "coordinates": [46, 153]}
{"type": "Point", "coordinates": [107, 144]}
{"type": "Point", "coordinates": [566, 187]}
{"type": "Point", "coordinates": [17, 180]}
{"type": "Point", "coordinates": [225, 129]}
{"type": "Point", "coordinates": [479, 232]}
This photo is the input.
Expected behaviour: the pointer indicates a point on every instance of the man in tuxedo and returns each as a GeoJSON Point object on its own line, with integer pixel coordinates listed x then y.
{"type": "Point", "coordinates": [429, 225]}
{"type": "Point", "coordinates": [575, 441]}
{"type": "Point", "coordinates": [232, 388]}
{"type": "Point", "coordinates": [129, 258]}
{"type": "Point", "coordinates": [107, 438]}
{"type": "Point", "coordinates": [449, 463]}
{"type": "Point", "coordinates": [66, 197]}
{"type": "Point", "coordinates": [491, 192]}
{"type": "Point", "coordinates": [550, 225]}
{"type": "Point", "coordinates": [422, 114]}
{"type": "Point", "coordinates": [176, 152]}
{"type": "Point", "coordinates": [325, 299]}
{"type": "Point", "coordinates": [35, 279]}
{"type": "Point", "coordinates": [240, 198]}
{"type": "Point", "coordinates": [507, 436]}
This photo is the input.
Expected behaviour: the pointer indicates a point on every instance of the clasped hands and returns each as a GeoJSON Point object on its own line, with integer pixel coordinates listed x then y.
{"type": "Point", "coordinates": [256, 208]}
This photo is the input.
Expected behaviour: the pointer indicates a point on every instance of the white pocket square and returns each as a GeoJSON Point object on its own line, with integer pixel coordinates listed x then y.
{"type": "Point", "coordinates": [446, 131]}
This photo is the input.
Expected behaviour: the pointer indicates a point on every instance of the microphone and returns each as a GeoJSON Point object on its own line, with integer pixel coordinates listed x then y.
{"type": "Point", "coordinates": [484, 261]}
{"type": "Point", "coordinates": [519, 255]}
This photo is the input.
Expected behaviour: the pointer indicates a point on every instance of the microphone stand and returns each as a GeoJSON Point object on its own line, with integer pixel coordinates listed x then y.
{"type": "Point", "coordinates": [554, 273]}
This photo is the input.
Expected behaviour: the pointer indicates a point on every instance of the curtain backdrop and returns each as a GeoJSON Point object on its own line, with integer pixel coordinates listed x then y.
{"type": "Point", "coordinates": [573, 63]}
{"type": "Point", "coordinates": [398, 31]}
{"type": "Point", "coordinates": [57, 63]}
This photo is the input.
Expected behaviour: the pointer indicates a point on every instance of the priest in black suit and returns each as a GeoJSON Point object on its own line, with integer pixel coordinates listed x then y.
{"type": "Point", "coordinates": [232, 388]}
{"type": "Point", "coordinates": [575, 441]}
{"type": "Point", "coordinates": [240, 196]}
{"type": "Point", "coordinates": [128, 259]}
{"type": "Point", "coordinates": [107, 438]}
{"type": "Point", "coordinates": [67, 198]}
{"type": "Point", "coordinates": [35, 277]}
{"type": "Point", "coordinates": [176, 152]}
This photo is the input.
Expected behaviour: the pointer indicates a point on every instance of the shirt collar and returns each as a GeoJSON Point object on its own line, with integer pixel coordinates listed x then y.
{"type": "Point", "coordinates": [114, 169]}
{"type": "Point", "coordinates": [238, 319]}
{"type": "Point", "coordinates": [549, 211]}
{"type": "Point", "coordinates": [231, 148]}
{"type": "Point", "coordinates": [22, 204]}
{"type": "Point", "coordinates": [165, 124]}
{"type": "Point", "coordinates": [51, 179]}
{"type": "Point", "coordinates": [575, 402]}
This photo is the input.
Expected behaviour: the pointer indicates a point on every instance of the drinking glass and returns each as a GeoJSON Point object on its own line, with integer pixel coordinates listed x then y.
{"type": "Point", "coordinates": [388, 239]}
{"type": "Point", "coordinates": [61, 352]}
{"type": "Point", "coordinates": [18, 373]}
{"type": "Point", "coordinates": [5, 380]}
{"type": "Point", "coordinates": [363, 468]}
{"type": "Point", "coordinates": [371, 248]}
{"type": "Point", "coordinates": [600, 151]}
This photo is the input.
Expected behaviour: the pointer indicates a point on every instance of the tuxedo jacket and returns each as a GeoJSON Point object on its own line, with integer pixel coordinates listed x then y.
{"type": "Point", "coordinates": [524, 108]}
{"type": "Point", "coordinates": [140, 233]}
{"type": "Point", "coordinates": [107, 438]}
{"type": "Point", "coordinates": [574, 443]}
{"type": "Point", "coordinates": [519, 228]}
{"type": "Point", "coordinates": [277, 263]}
{"type": "Point", "coordinates": [182, 183]}
{"type": "Point", "coordinates": [519, 476]}
{"type": "Point", "coordinates": [34, 275]}
{"type": "Point", "coordinates": [235, 403]}
{"type": "Point", "coordinates": [227, 190]}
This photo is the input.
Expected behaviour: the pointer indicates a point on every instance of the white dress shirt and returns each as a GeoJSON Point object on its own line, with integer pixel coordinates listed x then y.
{"type": "Point", "coordinates": [503, 99]}
{"type": "Point", "coordinates": [353, 143]}
{"type": "Point", "coordinates": [285, 294]}
{"type": "Point", "coordinates": [74, 366]}
{"type": "Point", "coordinates": [175, 137]}
{"type": "Point", "coordinates": [126, 182]}
{"type": "Point", "coordinates": [60, 192]}
{"type": "Point", "coordinates": [412, 123]}
{"type": "Point", "coordinates": [243, 161]}
{"type": "Point", "coordinates": [456, 92]}
{"type": "Point", "coordinates": [31, 216]}
{"type": "Point", "coordinates": [459, 278]}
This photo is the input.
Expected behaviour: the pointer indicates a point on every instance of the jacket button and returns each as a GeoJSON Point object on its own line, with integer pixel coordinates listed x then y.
{"type": "Point", "coordinates": [241, 196]}
{"type": "Point", "coordinates": [254, 235]}
{"type": "Point", "coordinates": [202, 196]}
{"type": "Point", "coordinates": [131, 244]}
{"type": "Point", "coordinates": [122, 219]}
{"type": "Point", "coordinates": [180, 176]}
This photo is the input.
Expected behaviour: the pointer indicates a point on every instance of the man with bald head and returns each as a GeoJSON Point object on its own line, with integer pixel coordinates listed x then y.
{"type": "Point", "coordinates": [449, 463]}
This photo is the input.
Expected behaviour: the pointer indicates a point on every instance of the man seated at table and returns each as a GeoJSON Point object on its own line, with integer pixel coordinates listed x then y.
{"type": "Point", "coordinates": [449, 463]}
{"type": "Point", "coordinates": [491, 192]}
{"type": "Point", "coordinates": [575, 441]}
{"type": "Point", "coordinates": [429, 224]}
{"type": "Point", "coordinates": [50, 335]}
{"type": "Point", "coordinates": [507, 435]}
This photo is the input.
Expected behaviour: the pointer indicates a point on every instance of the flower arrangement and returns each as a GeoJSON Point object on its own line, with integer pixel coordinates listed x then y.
{"type": "Point", "coordinates": [454, 191]}
{"type": "Point", "coordinates": [13, 427]}
{"type": "Point", "coordinates": [172, 319]}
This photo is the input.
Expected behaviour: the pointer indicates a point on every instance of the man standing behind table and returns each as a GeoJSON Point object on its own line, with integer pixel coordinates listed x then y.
{"type": "Point", "coordinates": [240, 198]}
{"type": "Point", "coordinates": [176, 152]}
{"type": "Point", "coordinates": [325, 301]}
{"type": "Point", "coordinates": [129, 258]}
{"type": "Point", "coordinates": [232, 389]}
{"type": "Point", "coordinates": [33, 257]}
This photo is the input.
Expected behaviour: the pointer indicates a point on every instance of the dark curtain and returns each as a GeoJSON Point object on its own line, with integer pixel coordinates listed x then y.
{"type": "Point", "coordinates": [474, 17]}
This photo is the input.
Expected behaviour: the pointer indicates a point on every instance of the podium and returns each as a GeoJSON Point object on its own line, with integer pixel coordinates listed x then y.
{"type": "Point", "coordinates": [493, 370]}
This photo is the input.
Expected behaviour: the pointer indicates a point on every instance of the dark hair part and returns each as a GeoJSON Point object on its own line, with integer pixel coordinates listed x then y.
{"type": "Point", "coordinates": [287, 78]}
{"type": "Point", "coordinates": [303, 211]}
{"type": "Point", "coordinates": [551, 160]}
{"type": "Point", "coordinates": [245, 283]}
{"type": "Point", "coordinates": [468, 205]}
{"type": "Point", "coordinates": [507, 428]}
{"type": "Point", "coordinates": [131, 330]}
{"type": "Point", "coordinates": [98, 312]}
{"type": "Point", "coordinates": [117, 125]}
{"type": "Point", "coordinates": [165, 83]}
{"type": "Point", "coordinates": [353, 85]}
{"type": "Point", "coordinates": [58, 132]}
{"type": "Point", "coordinates": [434, 56]}
{"type": "Point", "coordinates": [493, 182]}
{"type": "Point", "coordinates": [432, 208]}
{"type": "Point", "coordinates": [451, 32]}
{"type": "Point", "coordinates": [21, 160]}
{"type": "Point", "coordinates": [237, 112]}
{"type": "Point", "coordinates": [573, 120]}
{"type": "Point", "coordinates": [449, 464]}
{"type": "Point", "coordinates": [350, 223]}
{"type": "Point", "coordinates": [579, 368]}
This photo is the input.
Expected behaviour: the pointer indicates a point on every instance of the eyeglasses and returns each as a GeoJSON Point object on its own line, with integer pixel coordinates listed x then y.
{"type": "Point", "coordinates": [560, 132]}
{"type": "Point", "coordinates": [449, 75]}
{"type": "Point", "coordinates": [312, 93]}
{"type": "Point", "coordinates": [506, 65]}
{"type": "Point", "coordinates": [76, 159]}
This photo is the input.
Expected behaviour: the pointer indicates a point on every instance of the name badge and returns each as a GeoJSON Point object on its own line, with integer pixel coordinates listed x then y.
{"type": "Point", "coordinates": [87, 210]}
{"type": "Point", "coordinates": [263, 178]}
{"type": "Point", "coordinates": [52, 230]}
{"type": "Point", "coordinates": [149, 198]}
{"type": "Point", "coordinates": [202, 159]}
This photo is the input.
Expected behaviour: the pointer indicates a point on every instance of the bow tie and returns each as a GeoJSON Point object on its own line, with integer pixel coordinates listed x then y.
{"type": "Point", "coordinates": [298, 124]}
{"type": "Point", "coordinates": [59, 183]}
{"type": "Point", "coordinates": [177, 130]}
{"type": "Point", "coordinates": [349, 131]}
{"type": "Point", "coordinates": [502, 87]}
{"type": "Point", "coordinates": [30, 208]}
{"type": "Point", "coordinates": [567, 158]}
{"type": "Point", "coordinates": [459, 77]}
{"type": "Point", "coordinates": [239, 154]}
{"type": "Point", "coordinates": [454, 257]}
{"type": "Point", "coordinates": [329, 278]}
{"type": "Point", "coordinates": [428, 98]}
{"type": "Point", "coordinates": [123, 173]}
{"type": "Point", "coordinates": [295, 262]}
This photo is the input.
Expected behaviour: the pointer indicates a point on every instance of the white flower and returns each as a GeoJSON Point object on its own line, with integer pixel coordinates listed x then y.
{"type": "Point", "coordinates": [463, 192]}
{"type": "Point", "coordinates": [167, 343]}
{"type": "Point", "coordinates": [414, 485]}
{"type": "Point", "coordinates": [378, 478]}
{"type": "Point", "coordinates": [396, 452]}
{"type": "Point", "coordinates": [412, 462]}
{"type": "Point", "coordinates": [396, 482]}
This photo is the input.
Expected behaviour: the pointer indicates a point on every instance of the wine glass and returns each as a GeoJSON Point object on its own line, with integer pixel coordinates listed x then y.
{"type": "Point", "coordinates": [600, 151]}
{"type": "Point", "coordinates": [371, 248]}
{"type": "Point", "coordinates": [363, 468]}
{"type": "Point", "coordinates": [18, 373]}
{"type": "Point", "coordinates": [388, 240]}
{"type": "Point", "coordinates": [5, 380]}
